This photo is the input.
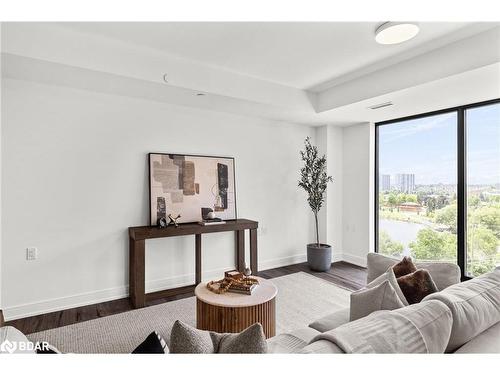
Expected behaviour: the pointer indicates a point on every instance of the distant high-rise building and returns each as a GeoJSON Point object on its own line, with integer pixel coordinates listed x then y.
{"type": "Point", "coordinates": [385, 182]}
{"type": "Point", "coordinates": [405, 182]}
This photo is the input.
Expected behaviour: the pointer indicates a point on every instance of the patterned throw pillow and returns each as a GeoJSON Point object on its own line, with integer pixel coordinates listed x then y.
{"type": "Point", "coordinates": [186, 339]}
{"type": "Point", "coordinates": [404, 267]}
{"type": "Point", "coordinates": [417, 285]}
{"type": "Point", "coordinates": [154, 344]}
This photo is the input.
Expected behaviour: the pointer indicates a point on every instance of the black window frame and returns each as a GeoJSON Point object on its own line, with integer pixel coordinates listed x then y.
{"type": "Point", "coordinates": [461, 174]}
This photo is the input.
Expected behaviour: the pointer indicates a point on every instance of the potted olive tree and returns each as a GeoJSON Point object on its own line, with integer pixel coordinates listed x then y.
{"type": "Point", "coordinates": [314, 180]}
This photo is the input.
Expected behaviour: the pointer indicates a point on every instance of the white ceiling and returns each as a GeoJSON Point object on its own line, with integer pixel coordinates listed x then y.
{"type": "Point", "coordinates": [295, 54]}
{"type": "Point", "coordinates": [307, 73]}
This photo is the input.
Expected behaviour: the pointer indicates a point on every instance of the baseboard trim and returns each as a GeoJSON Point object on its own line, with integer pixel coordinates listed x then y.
{"type": "Point", "coordinates": [105, 295]}
{"type": "Point", "coordinates": [281, 262]}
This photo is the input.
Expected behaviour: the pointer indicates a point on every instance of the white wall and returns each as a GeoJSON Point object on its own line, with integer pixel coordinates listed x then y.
{"type": "Point", "coordinates": [346, 220]}
{"type": "Point", "coordinates": [1, 121]}
{"type": "Point", "coordinates": [358, 184]}
{"type": "Point", "coordinates": [329, 140]}
{"type": "Point", "coordinates": [74, 177]}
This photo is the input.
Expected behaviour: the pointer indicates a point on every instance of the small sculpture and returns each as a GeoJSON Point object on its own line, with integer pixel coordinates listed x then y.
{"type": "Point", "coordinates": [247, 272]}
{"type": "Point", "coordinates": [173, 220]}
{"type": "Point", "coordinates": [162, 222]}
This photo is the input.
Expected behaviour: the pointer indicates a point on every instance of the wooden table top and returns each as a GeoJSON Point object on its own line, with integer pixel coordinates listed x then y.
{"type": "Point", "coordinates": [147, 232]}
{"type": "Point", "coordinates": [265, 292]}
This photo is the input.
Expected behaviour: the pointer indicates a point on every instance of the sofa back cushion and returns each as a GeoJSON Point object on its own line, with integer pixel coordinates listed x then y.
{"type": "Point", "coordinates": [380, 297]}
{"type": "Point", "coordinates": [423, 327]}
{"type": "Point", "coordinates": [474, 304]}
{"type": "Point", "coordinates": [443, 274]}
{"type": "Point", "coordinates": [434, 322]}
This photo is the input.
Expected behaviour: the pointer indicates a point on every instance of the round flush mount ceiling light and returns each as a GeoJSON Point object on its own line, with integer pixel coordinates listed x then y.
{"type": "Point", "coordinates": [396, 32]}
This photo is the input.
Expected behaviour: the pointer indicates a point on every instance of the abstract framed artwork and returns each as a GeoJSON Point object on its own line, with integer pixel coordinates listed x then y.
{"type": "Point", "coordinates": [191, 186]}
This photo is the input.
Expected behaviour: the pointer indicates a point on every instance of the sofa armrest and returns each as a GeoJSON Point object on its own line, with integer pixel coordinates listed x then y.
{"type": "Point", "coordinates": [331, 321]}
{"type": "Point", "coordinates": [13, 341]}
{"type": "Point", "coordinates": [292, 342]}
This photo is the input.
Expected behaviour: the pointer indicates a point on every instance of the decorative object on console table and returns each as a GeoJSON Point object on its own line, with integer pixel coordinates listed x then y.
{"type": "Point", "coordinates": [2, 321]}
{"type": "Point", "coordinates": [173, 220]}
{"type": "Point", "coordinates": [235, 282]}
{"type": "Point", "coordinates": [137, 254]}
{"type": "Point", "coordinates": [162, 222]}
{"type": "Point", "coordinates": [161, 212]}
{"type": "Point", "coordinates": [195, 186]}
{"type": "Point", "coordinates": [215, 221]}
{"type": "Point", "coordinates": [314, 180]}
{"type": "Point", "coordinates": [231, 312]}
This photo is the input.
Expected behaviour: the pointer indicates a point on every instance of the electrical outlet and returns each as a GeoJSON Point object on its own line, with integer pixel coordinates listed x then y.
{"type": "Point", "coordinates": [31, 253]}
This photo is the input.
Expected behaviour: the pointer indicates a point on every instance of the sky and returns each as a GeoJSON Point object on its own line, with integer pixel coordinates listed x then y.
{"type": "Point", "coordinates": [427, 147]}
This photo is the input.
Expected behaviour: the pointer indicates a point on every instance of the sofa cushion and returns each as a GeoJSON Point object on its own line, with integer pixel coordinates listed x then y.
{"type": "Point", "coordinates": [417, 285]}
{"type": "Point", "coordinates": [391, 277]}
{"type": "Point", "coordinates": [322, 347]}
{"type": "Point", "coordinates": [291, 342]}
{"type": "Point", "coordinates": [486, 342]}
{"type": "Point", "coordinates": [475, 305]}
{"type": "Point", "coordinates": [444, 274]}
{"type": "Point", "coordinates": [404, 267]}
{"type": "Point", "coordinates": [153, 344]}
{"type": "Point", "coordinates": [189, 340]}
{"type": "Point", "coordinates": [331, 321]}
{"type": "Point", "coordinates": [368, 300]}
{"type": "Point", "coordinates": [434, 322]}
{"type": "Point", "coordinates": [420, 328]}
{"type": "Point", "coordinates": [13, 341]}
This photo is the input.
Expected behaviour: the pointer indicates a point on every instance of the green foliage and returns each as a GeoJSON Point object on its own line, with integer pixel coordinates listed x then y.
{"type": "Point", "coordinates": [314, 179]}
{"type": "Point", "coordinates": [389, 247]}
{"type": "Point", "coordinates": [473, 201]}
{"type": "Point", "coordinates": [432, 245]}
{"type": "Point", "coordinates": [411, 198]}
{"type": "Point", "coordinates": [438, 241]}
{"type": "Point", "coordinates": [447, 216]}
{"type": "Point", "coordinates": [488, 216]}
{"type": "Point", "coordinates": [392, 200]}
{"type": "Point", "coordinates": [482, 254]}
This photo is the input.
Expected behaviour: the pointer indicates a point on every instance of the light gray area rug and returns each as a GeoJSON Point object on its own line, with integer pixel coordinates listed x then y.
{"type": "Point", "coordinates": [301, 299]}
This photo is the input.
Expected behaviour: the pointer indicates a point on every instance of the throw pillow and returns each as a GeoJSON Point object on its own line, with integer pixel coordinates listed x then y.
{"type": "Point", "coordinates": [48, 349]}
{"type": "Point", "coordinates": [404, 267]}
{"type": "Point", "coordinates": [415, 286]}
{"type": "Point", "coordinates": [154, 344]}
{"type": "Point", "coordinates": [186, 339]}
{"type": "Point", "coordinates": [389, 276]}
{"type": "Point", "coordinates": [380, 297]}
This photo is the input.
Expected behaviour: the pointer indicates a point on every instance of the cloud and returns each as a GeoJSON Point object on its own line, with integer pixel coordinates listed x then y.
{"type": "Point", "coordinates": [411, 127]}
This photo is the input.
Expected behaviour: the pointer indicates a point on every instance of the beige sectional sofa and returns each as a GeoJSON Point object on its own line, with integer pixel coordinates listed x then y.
{"type": "Point", "coordinates": [460, 318]}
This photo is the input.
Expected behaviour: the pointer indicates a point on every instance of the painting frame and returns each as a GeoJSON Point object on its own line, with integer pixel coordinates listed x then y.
{"type": "Point", "coordinates": [231, 174]}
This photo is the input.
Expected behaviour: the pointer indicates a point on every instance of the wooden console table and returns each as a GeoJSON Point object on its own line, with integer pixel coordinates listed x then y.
{"type": "Point", "coordinates": [137, 245]}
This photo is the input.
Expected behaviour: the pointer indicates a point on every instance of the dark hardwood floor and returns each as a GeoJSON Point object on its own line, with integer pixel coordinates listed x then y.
{"type": "Point", "coordinates": [342, 274]}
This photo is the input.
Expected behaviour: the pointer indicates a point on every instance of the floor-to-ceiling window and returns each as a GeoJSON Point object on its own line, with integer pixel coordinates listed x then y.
{"type": "Point", "coordinates": [483, 188]}
{"type": "Point", "coordinates": [438, 187]}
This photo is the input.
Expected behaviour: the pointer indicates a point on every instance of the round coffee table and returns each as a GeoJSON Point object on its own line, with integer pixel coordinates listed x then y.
{"type": "Point", "coordinates": [233, 312]}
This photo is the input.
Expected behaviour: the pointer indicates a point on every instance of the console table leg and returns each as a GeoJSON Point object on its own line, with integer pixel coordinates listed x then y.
{"type": "Point", "coordinates": [197, 258]}
{"type": "Point", "coordinates": [253, 251]}
{"type": "Point", "coordinates": [137, 273]}
{"type": "Point", "coordinates": [240, 250]}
